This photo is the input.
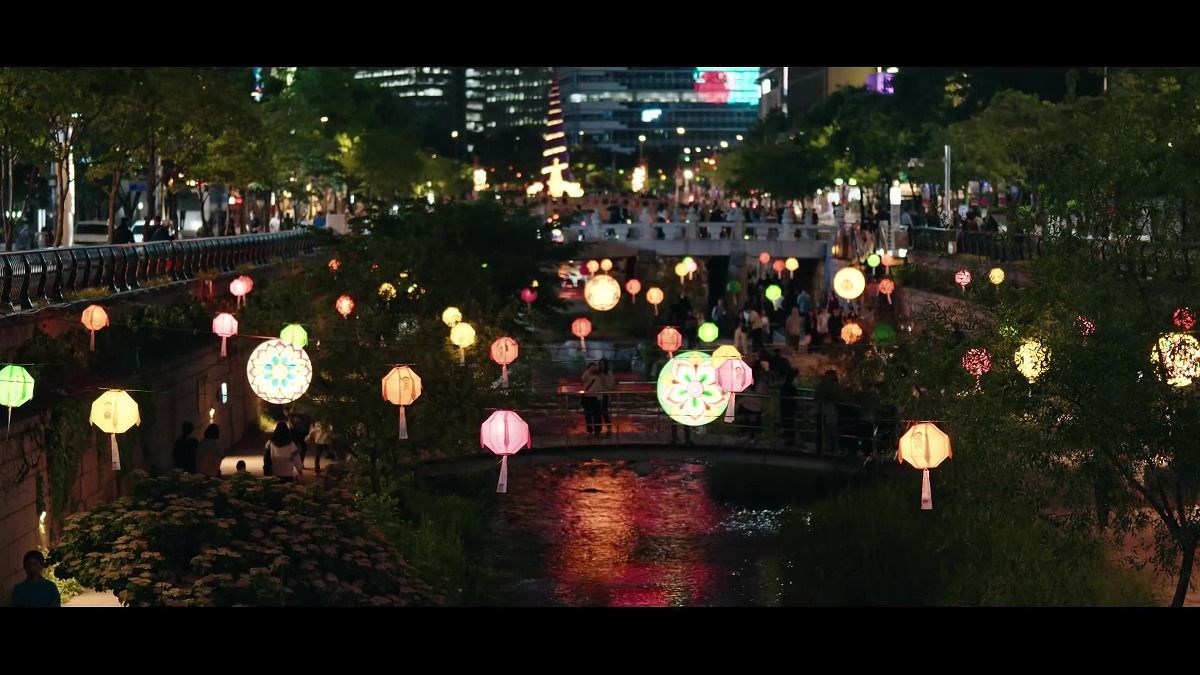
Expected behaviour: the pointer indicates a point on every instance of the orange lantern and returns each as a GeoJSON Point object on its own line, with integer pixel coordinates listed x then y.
{"type": "Point", "coordinates": [733, 375]}
{"type": "Point", "coordinates": [401, 386]}
{"type": "Point", "coordinates": [94, 319]}
{"type": "Point", "coordinates": [654, 296]}
{"type": "Point", "coordinates": [924, 446]}
{"type": "Point", "coordinates": [887, 287]}
{"type": "Point", "coordinates": [504, 433]}
{"type": "Point", "coordinates": [778, 266]}
{"type": "Point", "coordinates": [581, 328]}
{"type": "Point", "coordinates": [334, 264]}
{"type": "Point", "coordinates": [602, 293]}
{"type": "Point", "coordinates": [669, 340]}
{"type": "Point", "coordinates": [226, 326]}
{"type": "Point", "coordinates": [504, 351]}
{"type": "Point", "coordinates": [592, 266]}
{"type": "Point", "coordinates": [851, 333]}
{"type": "Point", "coordinates": [633, 287]}
{"type": "Point", "coordinates": [962, 278]}
{"type": "Point", "coordinates": [344, 306]}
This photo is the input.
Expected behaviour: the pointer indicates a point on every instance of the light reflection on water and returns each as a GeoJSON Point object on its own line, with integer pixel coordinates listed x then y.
{"type": "Point", "coordinates": [622, 534]}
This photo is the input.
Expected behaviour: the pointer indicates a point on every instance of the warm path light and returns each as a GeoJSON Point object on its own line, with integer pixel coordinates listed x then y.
{"type": "Point", "coordinates": [996, 276]}
{"type": "Point", "coordinates": [504, 433]}
{"type": "Point", "coordinates": [528, 295]}
{"type": "Point", "coordinates": [1032, 359]}
{"type": "Point", "coordinates": [925, 447]}
{"type": "Point", "coordinates": [962, 278]}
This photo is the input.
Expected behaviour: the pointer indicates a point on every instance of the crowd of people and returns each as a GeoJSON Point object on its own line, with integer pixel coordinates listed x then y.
{"type": "Point", "coordinates": [283, 455]}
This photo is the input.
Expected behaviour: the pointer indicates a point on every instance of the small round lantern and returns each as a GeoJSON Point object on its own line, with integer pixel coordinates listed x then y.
{"type": "Point", "coordinates": [334, 265]}
{"type": "Point", "coordinates": [592, 266]}
{"type": "Point", "coordinates": [401, 386]}
{"type": "Point", "coordinates": [996, 276]}
{"type": "Point", "coordinates": [581, 328]}
{"type": "Point", "coordinates": [792, 265]}
{"type": "Point", "coordinates": [1184, 317]}
{"type": "Point", "coordinates": [451, 316]}
{"type": "Point", "coordinates": [633, 287]}
{"type": "Point", "coordinates": [873, 260]}
{"type": "Point", "coordinates": [94, 319]}
{"type": "Point", "coordinates": [504, 433]}
{"type": "Point", "coordinates": [884, 334]}
{"type": "Point", "coordinates": [528, 295]}
{"type": "Point", "coordinates": [773, 292]}
{"type": "Point", "coordinates": [1031, 359]}
{"type": "Point", "coordinates": [733, 376]}
{"type": "Point", "coordinates": [225, 325]}
{"type": "Point", "coordinates": [606, 265]}
{"type": "Point", "coordinates": [887, 287]}
{"type": "Point", "coordinates": [504, 351]}
{"type": "Point", "coordinates": [681, 271]}
{"type": "Point", "coordinates": [387, 292]}
{"type": "Point", "coordinates": [115, 412]}
{"type": "Point", "coordinates": [977, 361]}
{"type": "Point", "coordinates": [463, 336]}
{"type": "Point", "coordinates": [669, 340]}
{"type": "Point", "coordinates": [689, 263]}
{"type": "Point", "coordinates": [240, 288]}
{"type": "Point", "coordinates": [962, 278]}
{"type": "Point", "coordinates": [602, 293]}
{"type": "Point", "coordinates": [654, 296]}
{"type": "Point", "coordinates": [1085, 325]}
{"type": "Point", "coordinates": [708, 331]}
{"type": "Point", "coordinates": [734, 287]}
{"type": "Point", "coordinates": [849, 283]}
{"type": "Point", "coordinates": [778, 266]}
{"type": "Point", "coordinates": [764, 258]}
{"type": "Point", "coordinates": [924, 446]}
{"type": "Point", "coordinates": [16, 389]}
{"type": "Point", "coordinates": [851, 333]}
{"type": "Point", "coordinates": [295, 335]}
{"type": "Point", "coordinates": [344, 306]}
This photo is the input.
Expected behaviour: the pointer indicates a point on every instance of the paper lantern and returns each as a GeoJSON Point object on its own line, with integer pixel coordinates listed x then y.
{"type": "Point", "coordinates": [387, 291]}
{"type": "Point", "coordinates": [225, 325]}
{"type": "Point", "coordinates": [94, 318]}
{"type": "Point", "coordinates": [592, 266]}
{"type": "Point", "coordinates": [401, 386]}
{"type": "Point", "coordinates": [773, 292]}
{"type": "Point", "coordinates": [688, 391]}
{"type": "Point", "coordinates": [996, 276]}
{"type": "Point", "coordinates": [606, 265]}
{"type": "Point", "coordinates": [851, 333]}
{"type": "Point", "coordinates": [681, 271]}
{"type": "Point", "coordinates": [734, 287]}
{"type": "Point", "coordinates": [1085, 325]}
{"type": "Point", "coordinates": [962, 278]}
{"type": "Point", "coordinates": [849, 283]}
{"type": "Point", "coordinates": [463, 336]}
{"type": "Point", "coordinates": [669, 340]}
{"type": "Point", "coordinates": [733, 376]}
{"type": "Point", "coordinates": [294, 334]}
{"type": "Point", "coordinates": [240, 288]}
{"type": "Point", "coordinates": [708, 331]}
{"type": "Point", "coordinates": [581, 328]}
{"type": "Point", "coordinates": [977, 361]}
{"type": "Point", "coordinates": [764, 258]}
{"type": "Point", "coordinates": [887, 287]}
{"type": "Point", "coordinates": [1184, 317]}
{"type": "Point", "coordinates": [334, 264]}
{"type": "Point", "coordinates": [504, 433]}
{"type": "Point", "coordinates": [1031, 359]}
{"type": "Point", "coordinates": [344, 306]}
{"type": "Point", "coordinates": [16, 389]}
{"type": "Point", "coordinates": [633, 287]}
{"type": "Point", "coordinates": [873, 261]}
{"type": "Point", "coordinates": [690, 265]}
{"type": "Point", "coordinates": [451, 316]}
{"type": "Point", "coordinates": [925, 447]}
{"type": "Point", "coordinates": [888, 260]}
{"type": "Point", "coordinates": [1179, 356]}
{"type": "Point", "coordinates": [654, 296]}
{"type": "Point", "coordinates": [884, 334]}
{"type": "Point", "coordinates": [724, 353]}
{"type": "Point", "coordinates": [602, 293]}
{"type": "Point", "coordinates": [778, 266]}
{"type": "Point", "coordinates": [792, 265]}
{"type": "Point", "coordinates": [528, 295]}
{"type": "Point", "coordinates": [279, 372]}
{"type": "Point", "coordinates": [115, 412]}
{"type": "Point", "coordinates": [504, 351]}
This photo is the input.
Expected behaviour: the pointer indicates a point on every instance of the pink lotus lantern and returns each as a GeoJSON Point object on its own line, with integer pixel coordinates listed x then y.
{"type": "Point", "coordinates": [226, 326]}
{"type": "Point", "coordinates": [633, 287]}
{"type": "Point", "coordinates": [977, 361]}
{"type": "Point", "coordinates": [504, 351]}
{"type": "Point", "coordinates": [962, 278]}
{"type": "Point", "coordinates": [581, 328]}
{"type": "Point", "coordinates": [504, 433]}
{"type": "Point", "coordinates": [887, 287]}
{"type": "Point", "coordinates": [1085, 325]}
{"type": "Point", "coordinates": [528, 296]}
{"type": "Point", "coordinates": [734, 376]}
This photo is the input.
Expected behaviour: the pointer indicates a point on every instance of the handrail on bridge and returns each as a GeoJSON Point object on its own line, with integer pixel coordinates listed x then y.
{"type": "Point", "coordinates": [999, 246]}
{"type": "Point", "coordinates": [47, 274]}
{"type": "Point", "coordinates": [706, 231]}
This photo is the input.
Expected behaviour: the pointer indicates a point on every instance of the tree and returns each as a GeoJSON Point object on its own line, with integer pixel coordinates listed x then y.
{"type": "Point", "coordinates": [22, 142]}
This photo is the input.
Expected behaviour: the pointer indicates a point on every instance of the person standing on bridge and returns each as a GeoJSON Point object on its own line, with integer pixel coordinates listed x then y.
{"type": "Point", "coordinates": [606, 383]}
{"type": "Point", "coordinates": [208, 453]}
{"type": "Point", "coordinates": [795, 329]}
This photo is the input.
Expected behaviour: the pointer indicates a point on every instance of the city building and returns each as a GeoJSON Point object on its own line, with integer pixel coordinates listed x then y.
{"type": "Point", "coordinates": [512, 97]}
{"type": "Point", "coordinates": [471, 99]}
{"type": "Point", "coordinates": [616, 108]}
{"type": "Point", "coordinates": [438, 90]}
{"type": "Point", "coordinates": [794, 90]}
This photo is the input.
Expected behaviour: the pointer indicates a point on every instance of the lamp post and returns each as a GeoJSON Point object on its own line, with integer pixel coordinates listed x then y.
{"type": "Point", "coordinates": [641, 144]}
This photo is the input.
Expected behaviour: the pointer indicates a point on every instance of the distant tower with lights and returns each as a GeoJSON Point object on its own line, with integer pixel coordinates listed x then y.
{"type": "Point", "coordinates": [556, 161]}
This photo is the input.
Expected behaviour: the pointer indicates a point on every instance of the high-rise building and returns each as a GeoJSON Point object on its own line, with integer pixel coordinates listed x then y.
{"type": "Point", "coordinates": [794, 90]}
{"type": "Point", "coordinates": [471, 99]}
{"type": "Point", "coordinates": [670, 107]}
{"type": "Point", "coordinates": [514, 97]}
{"type": "Point", "coordinates": [438, 89]}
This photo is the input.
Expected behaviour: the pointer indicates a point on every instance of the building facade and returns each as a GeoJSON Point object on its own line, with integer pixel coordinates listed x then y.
{"type": "Point", "coordinates": [795, 90]}
{"type": "Point", "coordinates": [471, 99]}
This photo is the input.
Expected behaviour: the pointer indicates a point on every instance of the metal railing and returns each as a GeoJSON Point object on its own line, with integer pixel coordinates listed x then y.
{"type": "Point", "coordinates": [759, 231]}
{"type": "Point", "coordinates": [1002, 247]}
{"type": "Point", "coordinates": [47, 275]}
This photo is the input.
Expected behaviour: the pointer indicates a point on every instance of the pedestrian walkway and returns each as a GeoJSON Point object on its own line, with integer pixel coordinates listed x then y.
{"type": "Point", "coordinates": [250, 450]}
{"type": "Point", "coordinates": [94, 599]}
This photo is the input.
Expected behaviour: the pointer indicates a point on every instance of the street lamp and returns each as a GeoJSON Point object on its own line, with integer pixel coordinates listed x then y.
{"type": "Point", "coordinates": [739, 137]}
{"type": "Point", "coordinates": [724, 144]}
{"type": "Point", "coordinates": [454, 134]}
{"type": "Point", "coordinates": [324, 119]}
{"type": "Point", "coordinates": [641, 140]}
{"type": "Point", "coordinates": [680, 130]}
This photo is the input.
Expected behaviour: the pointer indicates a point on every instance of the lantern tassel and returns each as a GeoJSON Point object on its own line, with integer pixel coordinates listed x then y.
{"type": "Point", "coordinates": [656, 310]}
{"type": "Point", "coordinates": [462, 355]}
{"type": "Point", "coordinates": [889, 297]}
{"type": "Point", "coordinates": [222, 346]}
{"type": "Point", "coordinates": [403, 425]}
{"type": "Point", "coordinates": [92, 342]}
{"type": "Point", "coordinates": [116, 456]}
{"type": "Point", "coordinates": [502, 486]}
{"type": "Point", "coordinates": [926, 492]}
{"type": "Point", "coordinates": [729, 409]}
{"type": "Point", "coordinates": [8, 428]}
{"type": "Point", "coordinates": [582, 345]}
{"type": "Point", "coordinates": [504, 375]}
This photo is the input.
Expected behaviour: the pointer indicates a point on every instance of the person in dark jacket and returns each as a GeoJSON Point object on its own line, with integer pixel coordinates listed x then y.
{"type": "Point", "coordinates": [184, 454]}
{"type": "Point", "coordinates": [36, 590]}
{"type": "Point", "coordinates": [123, 234]}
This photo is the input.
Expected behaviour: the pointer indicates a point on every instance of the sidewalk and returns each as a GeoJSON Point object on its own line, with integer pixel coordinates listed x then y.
{"type": "Point", "coordinates": [250, 450]}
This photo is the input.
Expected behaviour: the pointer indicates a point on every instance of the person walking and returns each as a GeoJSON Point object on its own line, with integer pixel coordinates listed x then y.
{"type": "Point", "coordinates": [321, 436]}
{"type": "Point", "coordinates": [300, 425]}
{"type": "Point", "coordinates": [590, 400]}
{"type": "Point", "coordinates": [823, 327]}
{"type": "Point", "coordinates": [208, 453]}
{"type": "Point", "coordinates": [281, 457]}
{"type": "Point", "coordinates": [36, 590]}
{"type": "Point", "coordinates": [606, 383]}
{"type": "Point", "coordinates": [122, 234]}
{"type": "Point", "coordinates": [795, 328]}
{"type": "Point", "coordinates": [741, 341]}
{"type": "Point", "coordinates": [184, 452]}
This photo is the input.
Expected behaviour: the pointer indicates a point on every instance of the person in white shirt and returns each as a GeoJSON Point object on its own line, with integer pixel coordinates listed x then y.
{"type": "Point", "coordinates": [281, 456]}
{"type": "Point", "coordinates": [741, 341]}
{"type": "Point", "coordinates": [321, 436]}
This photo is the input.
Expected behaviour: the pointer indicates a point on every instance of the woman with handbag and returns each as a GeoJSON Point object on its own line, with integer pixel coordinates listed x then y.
{"type": "Point", "coordinates": [281, 457]}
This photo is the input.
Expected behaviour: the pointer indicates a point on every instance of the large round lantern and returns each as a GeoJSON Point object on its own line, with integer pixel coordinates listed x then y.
{"type": "Point", "coordinates": [708, 331]}
{"type": "Point", "coordinates": [849, 283]}
{"type": "Point", "coordinates": [451, 316]}
{"type": "Point", "coordinates": [925, 447]}
{"type": "Point", "coordinates": [581, 328]}
{"type": "Point", "coordinates": [114, 412]}
{"type": "Point", "coordinates": [94, 318]}
{"type": "Point", "coordinates": [887, 287]}
{"type": "Point", "coordinates": [387, 292]}
{"type": "Point", "coordinates": [1184, 317]}
{"type": "Point", "coordinates": [16, 389]}
{"type": "Point", "coordinates": [733, 376]}
{"type": "Point", "coordinates": [977, 361]}
{"type": "Point", "coordinates": [504, 433]}
{"type": "Point", "coordinates": [633, 287]}
{"type": "Point", "coordinates": [225, 325]}
{"type": "Point", "coordinates": [401, 386]}
{"type": "Point", "coordinates": [773, 292]}
{"type": "Point", "coordinates": [1032, 359]}
{"type": "Point", "coordinates": [463, 336]}
{"type": "Point", "coordinates": [654, 296]}
{"type": "Point", "coordinates": [688, 391]}
{"type": "Point", "coordinates": [504, 351]}
{"type": "Point", "coordinates": [851, 333]}
{"type": "Point", "coordinates": [792, 265]}
{"type": "Point", "coordinates": [669, 340]}
{"type": "Point", "coordinates": [1179, 356]}
{"type": "Point", "coordinates": [279, 372]}
{"type": "Point", "coordinates": [602, 293]}
{"type": "Point", "coordinates": [996, 276]}
{"type": "Point", "coordinates": [344, 306]}
{"type": "Point", "coordinates": [592, 266]}
{"type": "Point", "coordinates": [528, 295]}
{"type": "Point", "coordinates": [295, 335]}
{"type": "Point", "coordinates": [724, 353]}
{"type": "Point", "coordinates": [778, 266]}
{"type": "Point", "coordinates": [962, 278]}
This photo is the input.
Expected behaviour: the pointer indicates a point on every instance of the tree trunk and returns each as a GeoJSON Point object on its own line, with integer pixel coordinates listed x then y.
{"type": "Point", "coordinates": [151, 182]}
{"type": "Point", "coordinates": [1185, 574]}
{"type": "Point", "coordinates": [6, 199]}
{"type": "Point", "coordinates": [112, 203]}
{"type": "Point", "coordinates": [62, 188]}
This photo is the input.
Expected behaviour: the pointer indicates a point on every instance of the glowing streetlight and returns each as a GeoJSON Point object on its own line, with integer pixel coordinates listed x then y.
{"type": "Point", "coordinates": [688, 174]}
{"type": "Point", "coordinates": [324, 119]}
{"type": "Point", "coordinates": [739, 137]}
{"type": "Point", "coordinates": [641, 138]}
{"type": "Point", "coordinates": [680, 130]}
{"type": "Point", "coordinates": [724, 144]}
{"type": "Point", "coordinates": [454, 134]}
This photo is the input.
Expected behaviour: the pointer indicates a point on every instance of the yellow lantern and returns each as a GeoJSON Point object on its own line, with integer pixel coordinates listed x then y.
{"type": "Point", "coordinates": [792, 265]}
{"type": "Point", "coordinates": [681, 271]}
{"type": "Point", "coordinates": [851, 333]}
{"type": "Point", "coordinates": [602, 292]}
{"type": "Point", "coordinates": [451, 316]}
{"type": "Point", "coordinates": [387, 291]}
{"type": "Point", "coordinates": [996, 276]}
{"type": "Point", "coordinates": [592, 266]}
{"type": "Point", "coordinates": [401, 386]}
{"type": "Point", "coordinates": [114, 412]}
{"type": "Point", "coordinates": [1179, 356]}
{"type": "Point", "coordinates": [849, 283]}
{"type": "Point", "coordinates": [654, 296]}
{"type": "Point", "coordinates": [1032, 359]}
{"type": "Point", "coordinates": [924, 446]}
{"type": "Point", "coordinates": [463, 336]}
{"type": "Point", "coordinates": [724, 353]}
{"type": "Point", "coordinates": [606, 264]}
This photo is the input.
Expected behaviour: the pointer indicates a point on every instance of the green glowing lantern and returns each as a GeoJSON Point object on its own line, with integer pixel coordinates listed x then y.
{"type": "Point", "coordinates": [16, 389]}
{"type": "Point", "coordinates": [884, 334]}
{"type": "Point", "coordinates": [773, 292]}
{"type": "Point", "coordinates": [734, 287]}
{"type": "Point", "coordinates": [708, 331]}
{"type": "Point", "coordinates": [294, 334]}
{"type": "Point", "coordinates": [688, 391]}
{"type": "Point", "coordinates": [873, 261]}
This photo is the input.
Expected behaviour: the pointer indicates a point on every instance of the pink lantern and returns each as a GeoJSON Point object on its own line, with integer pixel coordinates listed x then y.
{"type": "Point", "coordinates": [778, 266]}
{"type": "Point", "coordinates": [734, 376]}
{"type": "Point", "coordinates": [225, 325]}
{"type": "Point", "coordinates": [240, 287]}
{"type": "Point", "coordinates": [962, 278]}
{"type": "Point", "coordinates": [581, 328]}
{"type": "Point", "coordinates": [633, 287]}
{"type": "Point", "coordinates": [504, 433]}
{"type": "Point", "coordinates": [977, 361]}
{"type": "Point", "coordinates": [1085, 325]}
{"type": "Point", "coordinates": [504, 351]}
{"type": "Point", "coordinates": [764, 258]}
{"type": "Point", "coordinates": [528, 296]}
{"type": "Point", "coordinates": [344, 306]}
{"type": "Point", "coordinates": [1184, 317]}
{"type": "Point", "coordinates": [887, 287]}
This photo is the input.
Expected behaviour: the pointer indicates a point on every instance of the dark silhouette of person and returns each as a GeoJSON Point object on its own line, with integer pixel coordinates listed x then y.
{"type": "Point", "coordinates": [123, 234]}
{"type": "Point", "coordinates": [36, 590]}
{"type": "Point", "coordinates": [184, 453]}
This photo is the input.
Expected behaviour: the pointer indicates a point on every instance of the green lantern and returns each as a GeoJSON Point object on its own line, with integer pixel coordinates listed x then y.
{"type": "Point", "coordinates": [734, 287]}
{"type": "Point", "coordinates": [16, 388]}
{"type": "Point", "coordinates": [884, 334]}
{"type": "Point", "coordinates": [294, 334]}
{"type": "Point", "coordinates": [708, 331]}
{"type": "Point", "coordinates": [773, 292]}
{"type": "Point", "coordinates": [873, 260]}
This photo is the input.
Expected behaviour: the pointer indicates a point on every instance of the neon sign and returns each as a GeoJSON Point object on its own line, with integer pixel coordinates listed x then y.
{"type": "Point", "coordinates": [727, 85]}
